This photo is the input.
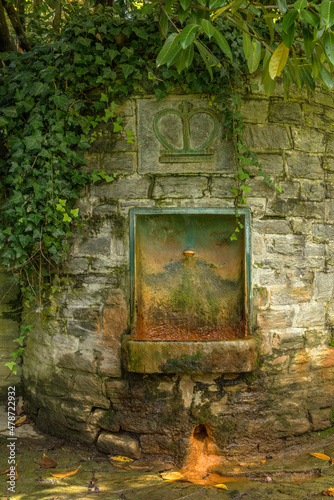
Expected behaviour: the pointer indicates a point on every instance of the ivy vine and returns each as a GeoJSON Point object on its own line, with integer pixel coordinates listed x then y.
{"type": "Point", "coordinates": [52, 102]}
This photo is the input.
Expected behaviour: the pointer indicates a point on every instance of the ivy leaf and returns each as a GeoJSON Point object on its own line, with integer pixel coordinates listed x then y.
{"type": "Point", "coordinates": [11, 112]}
{"type": "Point", "coordinates": [67, 218]}
{"type": "Point", "coordinates": [33, 142]}
{"type": "Point", "coordinates": [24, 240]}
{"type": "Point", "coordinates": [188, 34]}
{"type": "Point", "coordinates": [278, 60]}
{"type": "Point", "coordinates": [117, 127]}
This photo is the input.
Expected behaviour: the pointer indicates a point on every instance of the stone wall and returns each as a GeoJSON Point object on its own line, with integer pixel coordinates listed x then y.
{"type": "Point", "coordinates": [73, 374]}
{"type": "Point", "coordinates": [9, 328]}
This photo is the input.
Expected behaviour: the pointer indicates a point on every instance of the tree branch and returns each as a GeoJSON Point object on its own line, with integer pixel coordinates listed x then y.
{"type": "Point", "coordinates": [16, 23]}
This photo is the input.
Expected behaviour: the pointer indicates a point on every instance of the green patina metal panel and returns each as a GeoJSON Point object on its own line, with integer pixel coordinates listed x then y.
{"type": "Point", "coordinates": [189, 280]}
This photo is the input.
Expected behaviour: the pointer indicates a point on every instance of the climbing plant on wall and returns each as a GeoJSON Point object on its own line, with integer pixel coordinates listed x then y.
{"type": "Point", "coordinates": [54, 97]}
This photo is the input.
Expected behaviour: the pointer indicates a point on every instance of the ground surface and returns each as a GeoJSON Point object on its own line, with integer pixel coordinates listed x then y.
{"type": "Point", "coordinates": [301, 477]}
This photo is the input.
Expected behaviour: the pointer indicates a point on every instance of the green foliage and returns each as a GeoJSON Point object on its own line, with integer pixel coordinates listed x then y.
{"type": "Point", "coordinates": [12, 365]}
{"type": "Point", "coordinates": [56, 100]}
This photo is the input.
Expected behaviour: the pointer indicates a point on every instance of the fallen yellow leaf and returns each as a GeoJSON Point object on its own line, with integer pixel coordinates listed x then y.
{"type": "Point", "coordinates": [321, 456]}
{"type": "Point", "coordinates": [20, 421]}
{"type": "Point", "coordinates": [221, 486]}
{"type": "Point", "coordinates": [122, 459]}
{"type": "Point", "coordinates": [171, 476]}
{"type": "Point", "coordinates": [328, 493]}
{"type": "Point", "coordinates": [66, 474]}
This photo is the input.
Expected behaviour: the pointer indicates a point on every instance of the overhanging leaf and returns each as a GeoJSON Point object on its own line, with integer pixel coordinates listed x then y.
{"type": "Point", "coordinates": [168, 51]}
{"type": "Point", "coordinates": [254, 59]}
{"type": "Point", "coordinates": [329, 46]}
{"type": "Point", "coordinates": [278, 60]}
{"type": "Point", "coordinates": [326, 77]}
{"type": "Point", "coordinates": [247, 44]}
{"type": "Point", "coordinates": [327, 12]}
{"type": "Point", "coordinates": [188, 34]}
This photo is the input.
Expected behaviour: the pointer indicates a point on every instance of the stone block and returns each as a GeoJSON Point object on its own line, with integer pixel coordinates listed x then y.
{"type": "Point", "coordinates": [179, 187]}
{"type": "Point", "coordinates": [285, 112]}
{"type": "Point", "coordinates": [330, 143]}
{"type": "Point", "coordinates": [105, 419]}
{"type": "Point", "coordinates": [233, 356]}
{"type": "Point", "coordinates": [254, 110]}
{"type": "Point", "coordinates": [156, 444]}
{"type": "Point", "coordinates": [291, 338]}
{"type": "Point", "coordinates": [271, 226]}
{"type": "Point", "coordinates": [266, 137]}
{"type": "Point", "coordinates": [104, 209]}
{"type": "Point", "coordinates": [290, 295]}
{"type": "Point", "coordinates": [323, 98]}
{"type": "Point", "coordinates": [260, 188]}
{"type": "Point", "coordinates": [309, 315]}
{"type": "Point", "coordinates": [272, 164]}
{"type": "Point", "coordinates": [76, 265]}
{"type": "Point", "coordinates": [77, 361]}
{"type": "Point", "coordinates": [321, 418]}
{"type": "Point", "coordinates": [82, 328]}
{"type": "Point", "coordinates": [324, 231]}
{"type": "Point", "coordinates": [312, 190]}
{"type": "Point", "coordinates": [323, 286]}
{"type": "Point", "coordinates": [118, 164]}
{"type": "Point", "coordinates": [301, 226]}
{"type": "Point", "coordinates": [132, 186]}
{"type": "Point", "coordinates": [290, 190]}
{"type": "Point", "coordinates": [108, 343]}
{"type": "Point", "coordinates": [116, 389]}
{"type": "Point", "coordinates": [296, 208]}
{"type": "Point", "coordinates": [304, 165]}
{"type": "Point", "coordinates": [151, 153]}
{"type": "Point", "coordinates": [286, 245]}
{"type": "Point", "coordinates": [221, 187]}
{"type": "Point", "coordinates": [118, 444]}
{"type": "Point", "coordinates": [317, 337]}
{"type": "Point", "coordinates": [319, 122]}
{"type": "Point", "coordinates": [274, 319]}
{"type": "Point", "coordinates": [98, 245]}
{"type": "Point", "coordinates": [308, 139]}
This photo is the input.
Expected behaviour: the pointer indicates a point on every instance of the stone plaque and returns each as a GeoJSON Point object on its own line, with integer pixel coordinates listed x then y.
{"type": "Point", "coordinates": [181, 134]}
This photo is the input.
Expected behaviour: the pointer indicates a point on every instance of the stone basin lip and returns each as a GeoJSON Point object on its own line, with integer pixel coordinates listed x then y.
{"type": "Point", "coordinates": [228, 356]}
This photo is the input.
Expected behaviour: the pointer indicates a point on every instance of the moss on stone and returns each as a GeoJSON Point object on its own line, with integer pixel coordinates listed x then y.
{"type": "Point", "coordinates": [186, 364]}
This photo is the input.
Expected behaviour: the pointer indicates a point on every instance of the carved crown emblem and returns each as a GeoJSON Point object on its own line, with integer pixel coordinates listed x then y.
{"type": "Point", "coordinates": [174, 154]}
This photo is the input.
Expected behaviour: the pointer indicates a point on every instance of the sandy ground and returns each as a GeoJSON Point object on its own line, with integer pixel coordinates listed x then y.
{"type": "Point", "coordinates": [301, 477]}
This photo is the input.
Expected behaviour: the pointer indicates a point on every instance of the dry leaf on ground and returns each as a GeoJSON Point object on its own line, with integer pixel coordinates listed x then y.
{"type": "Point", "coordinates": [329, 492]}
{"type": "Point", "coordinates": [321, 456]}
{"type": "Point", "coordinates": [171, 476]}
{"type": "Point", "coordinates": [20, 421]}
{"type": "Point", "coordinates": [221, 486]}
{"type": "Point", "coordinates": [47, 463]}
{"type": "Point", "coordinates": [66, 474]}
{"type": "Point", "coordinates": [121, 459]}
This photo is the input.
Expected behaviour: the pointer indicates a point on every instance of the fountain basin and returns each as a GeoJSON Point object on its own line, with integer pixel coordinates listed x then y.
{"type": "Point", "coordinates": [233, 356]}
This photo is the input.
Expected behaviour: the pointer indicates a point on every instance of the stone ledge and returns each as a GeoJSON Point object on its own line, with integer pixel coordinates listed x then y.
{"type": "Point", "coordinates": [232, 356]}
